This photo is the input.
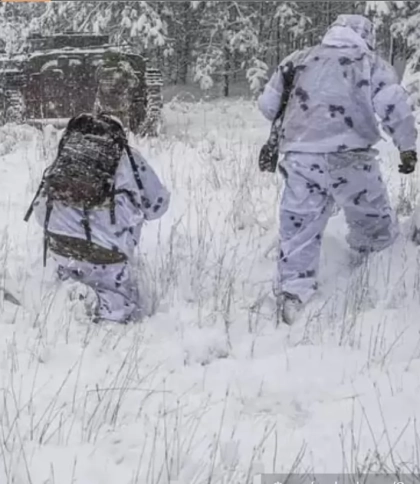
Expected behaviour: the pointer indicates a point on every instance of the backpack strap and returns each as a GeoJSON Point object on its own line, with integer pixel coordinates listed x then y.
{"type": "Point", "coordinates": [50, 207]}
{"type": "Point", "coordinates": [135, 168]}
{"type": "Point", "coordinates": [32, 205]}
{"type": "Point", "coordinates": [112, 208]}
{"type": "Point", "coordinates": [288, 72]}
{"type": "Point", "coordinates": [130, 196]}
{"type": "Point", "coordinates": [86, 225]}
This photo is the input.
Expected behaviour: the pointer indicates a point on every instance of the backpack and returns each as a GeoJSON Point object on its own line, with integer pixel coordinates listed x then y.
{"type": "Point", "coordinates": [83, 176]}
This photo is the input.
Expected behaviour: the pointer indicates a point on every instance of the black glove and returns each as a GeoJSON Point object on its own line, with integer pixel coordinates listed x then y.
{"type": "Point", "coordinates": [408, 162]}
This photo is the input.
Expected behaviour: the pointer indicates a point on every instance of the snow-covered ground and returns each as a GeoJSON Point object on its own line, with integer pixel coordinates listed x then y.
{"type": "Point", "coordinates": [206, 390]}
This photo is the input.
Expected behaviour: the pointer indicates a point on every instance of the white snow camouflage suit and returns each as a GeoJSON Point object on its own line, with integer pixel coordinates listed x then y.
{"type": "Point", "coordinates": [114, 284]}
{"type": "Point", "coordinates": [327, 136]}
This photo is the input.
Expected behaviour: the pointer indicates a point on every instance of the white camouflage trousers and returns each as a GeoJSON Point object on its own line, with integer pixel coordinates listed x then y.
{"type": "Point", "coordinates": [114, 285]}
{"type": "Point", "coordinates": [314, 183]}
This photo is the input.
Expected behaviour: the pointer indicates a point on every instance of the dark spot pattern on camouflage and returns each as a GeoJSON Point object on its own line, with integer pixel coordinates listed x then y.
{"type": "Point", "coordinates": [146, 202]}
{"type": "Point", "coordinates": [307, 275]}
{"type": "Point", "coordinates": [341, 181]}
{"type": "Point", "coordinates": [302, 95]}
{"type": "Point", "coordinates": [317, 168]}
{"type": "Point", "coordinates": [349, 121]}
{"type": "Point", "coordinates": [336, 109]}
{"type": "Point", "coordinates": [381, 85]}
{"type": "Point", "coordinates": [363, 83]}
{"type": "Point", "coordinates": [389, 110]}
{"type": "Point", "coordinates": [345, 61]}
{"type": "Point", "coordinates": [359, 197]}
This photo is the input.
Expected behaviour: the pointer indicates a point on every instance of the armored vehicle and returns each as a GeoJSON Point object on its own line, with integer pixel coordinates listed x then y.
{"type": "Point", "coordinates": [56, 79]}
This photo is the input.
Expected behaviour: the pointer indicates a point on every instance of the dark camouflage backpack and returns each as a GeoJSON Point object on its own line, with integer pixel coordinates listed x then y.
{"type": "Point", "coordinates": [83, 172]}
{"type": "Point", "coordinates": [83, 177]}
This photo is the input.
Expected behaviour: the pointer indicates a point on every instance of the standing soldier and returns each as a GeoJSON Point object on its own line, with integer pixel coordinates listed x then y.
{"type": "Point", "coordinates": [327, 136]}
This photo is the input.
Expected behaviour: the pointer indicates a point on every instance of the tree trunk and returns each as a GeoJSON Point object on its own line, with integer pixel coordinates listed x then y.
{"type": "Point", "coordinates": [186, 46]}
{"type": "Point", "coordinates": [226, 75]}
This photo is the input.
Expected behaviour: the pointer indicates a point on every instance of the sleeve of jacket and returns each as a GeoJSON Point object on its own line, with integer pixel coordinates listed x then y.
{"type": "Point", "coordinates": [391, 103]}
{"type": "Point", "coordinates": [155, 198]}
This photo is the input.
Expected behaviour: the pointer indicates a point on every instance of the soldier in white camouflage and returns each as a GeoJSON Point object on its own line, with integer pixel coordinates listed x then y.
{"type": "Point", "coordinates": [340, 89]}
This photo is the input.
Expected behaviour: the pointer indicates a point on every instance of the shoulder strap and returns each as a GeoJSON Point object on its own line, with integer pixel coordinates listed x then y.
{"type": "Point", "coordinates": [37, 194]}
{"type": "Point", "coordinates": [49, 207]}
{"type": "Point", "coordinates": [288, 72]}
{"type": "Point", "coordinates": [135, 168]}
{"type": "Point", "coordinates": [86, 225]}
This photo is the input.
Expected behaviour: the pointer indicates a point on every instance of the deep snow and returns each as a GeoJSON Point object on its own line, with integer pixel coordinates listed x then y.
{"type": "Point", "coordinates": [206, 386]}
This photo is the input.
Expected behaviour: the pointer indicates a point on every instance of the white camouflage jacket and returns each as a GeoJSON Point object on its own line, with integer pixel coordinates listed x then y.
{"type": "Point", "coordinates": [340, 88]}
{"type": "Point", "coordinates": [125, 233]}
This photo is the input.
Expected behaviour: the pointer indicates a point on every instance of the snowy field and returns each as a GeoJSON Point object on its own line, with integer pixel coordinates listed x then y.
{"type": "Point", "coordinates": [206, 390]}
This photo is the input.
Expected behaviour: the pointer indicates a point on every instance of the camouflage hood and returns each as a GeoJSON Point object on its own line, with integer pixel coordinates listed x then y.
{"type": "Point", "coordinates": [351, 30]}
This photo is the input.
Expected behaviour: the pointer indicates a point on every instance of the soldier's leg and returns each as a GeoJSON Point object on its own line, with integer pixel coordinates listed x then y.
{"type": "Point", "coordinates": [117, 291]}
{"type": "Point", "coordinates": [304, 212]}
{"type": "Point", "coordinates": [358, 187]}
{"type": "Point", "coordinates": [113, 284]}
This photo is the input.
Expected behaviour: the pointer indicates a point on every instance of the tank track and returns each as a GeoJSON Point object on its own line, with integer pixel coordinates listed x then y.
{"type": "Point", "coordinates": [15, 106]}
{"type": "Point", "coordinates": [13, 99]}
